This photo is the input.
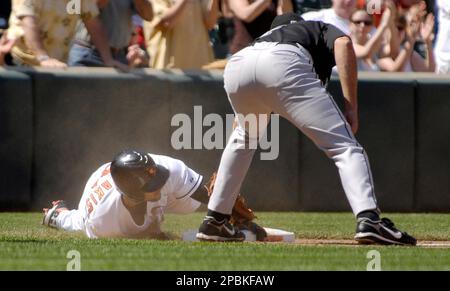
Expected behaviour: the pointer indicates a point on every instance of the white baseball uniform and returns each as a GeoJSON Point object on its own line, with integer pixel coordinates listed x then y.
{"type": "Point", "coordinates": [101, 212]}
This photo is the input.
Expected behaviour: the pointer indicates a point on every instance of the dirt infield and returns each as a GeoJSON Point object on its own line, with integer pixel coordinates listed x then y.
{"type": "Point", "coordinates": [348, 242]}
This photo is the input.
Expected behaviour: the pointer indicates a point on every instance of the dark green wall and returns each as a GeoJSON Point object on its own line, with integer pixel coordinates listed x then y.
{"type": "Point", "coordinates": [16, 140]}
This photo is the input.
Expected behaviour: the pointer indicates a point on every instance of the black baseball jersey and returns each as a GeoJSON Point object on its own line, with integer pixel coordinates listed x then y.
{"type": "Point", "coordinates": [315, 36]}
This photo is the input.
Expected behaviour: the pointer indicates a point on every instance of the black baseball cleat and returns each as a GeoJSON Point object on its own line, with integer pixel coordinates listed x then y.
{"type": "Point", "coordinates": [50, 215]}
{"type": "Point", "coordinates": [213, 230]}
{"type": "Point", "coordinates": [381, 232]}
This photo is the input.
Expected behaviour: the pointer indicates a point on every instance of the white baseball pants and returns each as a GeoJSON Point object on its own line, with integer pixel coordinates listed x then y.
{"type": "Point", "coordinates": [280, 78]}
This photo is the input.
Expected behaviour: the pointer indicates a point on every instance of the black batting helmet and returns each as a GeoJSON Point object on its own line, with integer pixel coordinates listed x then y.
{"type": "Point", "coordinates": [135, 173]}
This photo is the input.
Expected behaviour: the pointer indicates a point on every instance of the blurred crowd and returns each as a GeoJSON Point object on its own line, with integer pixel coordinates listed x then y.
{"type": "Point", "coordinates": [388, 35]}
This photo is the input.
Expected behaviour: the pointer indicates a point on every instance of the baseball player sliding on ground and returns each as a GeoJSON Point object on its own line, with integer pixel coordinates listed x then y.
{"type": "Point", "coordinates": [284, 72]}
{"type": "Point", "coordinates": [129, 196]}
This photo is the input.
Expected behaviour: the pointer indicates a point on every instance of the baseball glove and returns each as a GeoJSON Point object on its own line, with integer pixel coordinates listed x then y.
{"type": "Point", "coordinates": [241, 216]}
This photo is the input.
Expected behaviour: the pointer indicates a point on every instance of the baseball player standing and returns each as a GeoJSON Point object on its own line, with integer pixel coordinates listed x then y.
{"type": "Point", "coordinates": [285, 72]}
{"type": "Point", "coordinates": [128, 198]}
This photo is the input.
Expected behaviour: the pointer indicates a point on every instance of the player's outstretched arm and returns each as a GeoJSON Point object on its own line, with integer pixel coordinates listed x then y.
{"type": "Point", "coordinates": [346, 64]}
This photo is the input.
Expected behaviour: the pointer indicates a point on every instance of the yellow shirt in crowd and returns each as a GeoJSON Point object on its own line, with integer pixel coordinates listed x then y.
{"type": "Point", "coordinates": [185, 46]}
{"type": "Point", "coordinates": [56, 25]}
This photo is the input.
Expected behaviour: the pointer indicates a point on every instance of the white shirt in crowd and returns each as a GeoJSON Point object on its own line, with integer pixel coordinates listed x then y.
{"type": "Point", "coordinates": [329, 16]}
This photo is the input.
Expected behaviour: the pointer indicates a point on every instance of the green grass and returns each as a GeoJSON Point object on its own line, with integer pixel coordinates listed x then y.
{"type": "Point", "coordinates": [26, 245]}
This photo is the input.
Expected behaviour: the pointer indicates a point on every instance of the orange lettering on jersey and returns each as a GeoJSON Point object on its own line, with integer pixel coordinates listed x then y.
{"type": "Point", "coordinates": [95, 185]}
{"type": "Point", "coordinates": [99, 193]}
{"type": "Point", "coordinates": [93, 199]}
{"type": "Point", "coordinates": [106, 171]}
{"type": "Point", "coordinates": [89, 206]}
{"type": "Point", "coordinates": [106, 185]}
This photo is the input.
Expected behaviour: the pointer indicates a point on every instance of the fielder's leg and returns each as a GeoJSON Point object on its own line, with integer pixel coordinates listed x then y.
{"type": "Point", "coordinates": [316, 114]}
{"type": "Point", "coordinates": [318, 117]}
{"type": "Point", "coordinates": [233, 168]}
{"type": "Point", "coordinates": [248, 103]}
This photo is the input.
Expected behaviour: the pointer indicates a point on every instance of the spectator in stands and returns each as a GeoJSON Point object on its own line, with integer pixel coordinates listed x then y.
{"type": "Point", "coordinates": [366, 46]}
{"type": "Point", "coordinates": [138, 31]}
{"type": "Point", "coordinates": [177, 37]}
{"type": "Point", "coordinates": [376, 8]}
{"type": "Point", "coordinates": [137, 54]}
{"type": "Point", "coordinates": [116, 17]}
{"type": "Point", "coordinates": [252, 18]}
{"type": "Point", "coordinates": [222, 34]}
{"type": "Point", "coordinates": [442, 46]}
{"type": "Point", "coordinates": [413, 28]}
{"type": "Point", "coordinates": [44, 30]}
{"type": "Point", "coordinates": [338, 15]}
{"type": "Point", "coordinates": [5, 47]}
